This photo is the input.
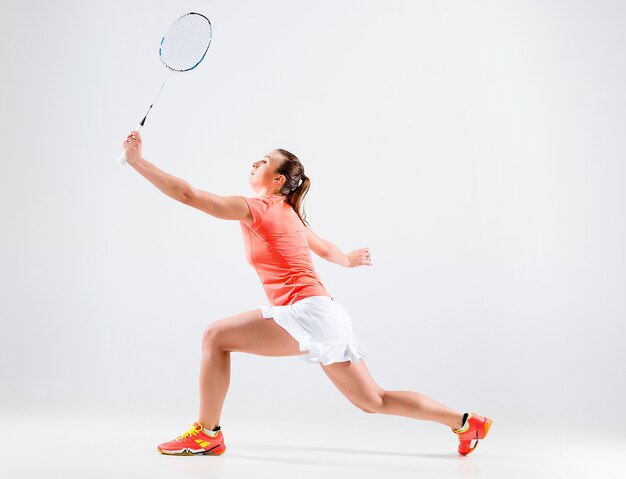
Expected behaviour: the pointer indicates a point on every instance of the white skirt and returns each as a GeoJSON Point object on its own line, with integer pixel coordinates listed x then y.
{"type": "Point", "coordinates": [321, 326]}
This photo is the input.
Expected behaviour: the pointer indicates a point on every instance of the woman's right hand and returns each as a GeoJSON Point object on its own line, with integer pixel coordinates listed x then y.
{"type": "Point", "coordinates": [132, 147]}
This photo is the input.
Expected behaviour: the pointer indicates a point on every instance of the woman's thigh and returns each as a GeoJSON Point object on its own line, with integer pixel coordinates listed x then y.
{"type": "Point", "coordinates": [356, 383]}
{"type": "Point", "coordinates": [250, 332]}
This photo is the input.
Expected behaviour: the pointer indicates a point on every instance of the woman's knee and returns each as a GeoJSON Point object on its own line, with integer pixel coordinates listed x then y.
{"type": "Point", "coordinates": [373, 404]}
{"type": "Point", "coordinates": [212, 336]}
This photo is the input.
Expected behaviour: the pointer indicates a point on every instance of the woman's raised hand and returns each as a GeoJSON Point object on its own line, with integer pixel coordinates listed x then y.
{"type": "Point", "coordinates": [359, 257]}
{"type": "Point", "coordinates": [132, 147]}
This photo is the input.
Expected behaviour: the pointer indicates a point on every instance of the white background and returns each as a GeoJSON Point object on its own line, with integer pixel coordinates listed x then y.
{"type": "Point", "coordinates": [477, 148]}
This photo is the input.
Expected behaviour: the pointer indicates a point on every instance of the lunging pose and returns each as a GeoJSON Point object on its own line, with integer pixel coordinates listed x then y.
{"type": "Point", "coordinates": [302, 318]}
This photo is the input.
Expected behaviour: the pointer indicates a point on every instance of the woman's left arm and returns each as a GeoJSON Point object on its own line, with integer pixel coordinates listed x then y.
{"type": "Point", "coordinates": [330, 252]}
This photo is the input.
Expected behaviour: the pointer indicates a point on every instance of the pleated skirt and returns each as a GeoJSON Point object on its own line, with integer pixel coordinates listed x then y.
{"type": "Point", "coordinates": [321, 326]}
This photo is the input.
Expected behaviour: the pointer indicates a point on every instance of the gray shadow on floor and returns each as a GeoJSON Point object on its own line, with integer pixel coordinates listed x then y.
{"type": "Point", "coordinates": [327, 456]}
{"type": "Point", "coordinates": [336, 450]}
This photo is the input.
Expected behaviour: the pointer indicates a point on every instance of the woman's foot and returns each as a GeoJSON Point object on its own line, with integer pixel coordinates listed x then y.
{"type": "Point", "coordinates": [196, 441]}
{"type": "Point", "coordinates": [476, 427]}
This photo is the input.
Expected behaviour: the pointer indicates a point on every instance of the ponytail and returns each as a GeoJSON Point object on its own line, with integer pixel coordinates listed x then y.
{"type": "Point", "coordinates": [296, 198]}
{"type": "Point", "coordinates": [296, 185]}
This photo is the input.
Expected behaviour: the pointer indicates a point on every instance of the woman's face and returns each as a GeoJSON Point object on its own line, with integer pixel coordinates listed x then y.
{"type": "Point", "coordinates": [263, 178]}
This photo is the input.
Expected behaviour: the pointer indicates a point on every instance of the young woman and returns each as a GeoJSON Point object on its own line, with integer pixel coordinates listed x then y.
{"type": "Point", "coordinates": [302, 319]}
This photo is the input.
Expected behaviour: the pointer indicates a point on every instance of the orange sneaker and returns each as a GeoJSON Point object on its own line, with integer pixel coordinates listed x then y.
{"type": "Point", "coordinates": [194, 442]}
{"type": "Point", "coordinates": [476, 427]}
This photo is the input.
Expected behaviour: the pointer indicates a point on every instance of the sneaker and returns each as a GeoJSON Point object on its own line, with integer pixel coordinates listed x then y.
{"type": "Point", "coordinates": [476, 427]}
{"type": "Point", "coordinates": [194, 442]}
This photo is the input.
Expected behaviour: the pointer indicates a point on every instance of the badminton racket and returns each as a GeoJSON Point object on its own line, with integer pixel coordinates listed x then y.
{"type": "Point", "coordinates": [182, 49]}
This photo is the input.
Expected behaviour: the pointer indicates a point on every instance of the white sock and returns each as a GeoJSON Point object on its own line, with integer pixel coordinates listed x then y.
{"type": "Point", "coordinates": [465, 426]}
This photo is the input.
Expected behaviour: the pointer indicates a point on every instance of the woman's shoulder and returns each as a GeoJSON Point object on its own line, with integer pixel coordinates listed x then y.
{"type": "Point", "coordinates": [265, 202]}
{"type": "Point", "coordinates": [267, 197]}
{"type": "Point", "coordinates": [261, 205]}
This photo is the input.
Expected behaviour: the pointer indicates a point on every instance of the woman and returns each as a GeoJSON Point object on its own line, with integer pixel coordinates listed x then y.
{"type": "Point", "coordinates": [302, 319]}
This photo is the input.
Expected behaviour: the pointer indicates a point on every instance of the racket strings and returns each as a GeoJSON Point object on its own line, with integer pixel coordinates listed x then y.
{"type": "Point", "coordinates": [186, 42]}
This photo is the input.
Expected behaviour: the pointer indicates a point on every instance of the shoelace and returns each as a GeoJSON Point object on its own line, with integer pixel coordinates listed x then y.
{"type": "Point", "coordinates": [192, 431]}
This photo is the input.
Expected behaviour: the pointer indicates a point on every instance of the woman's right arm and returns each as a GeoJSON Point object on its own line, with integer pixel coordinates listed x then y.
{"type": "Point", "coordinates": [172, 186]}
{"type": "Point", "coordinates": [223, 207]}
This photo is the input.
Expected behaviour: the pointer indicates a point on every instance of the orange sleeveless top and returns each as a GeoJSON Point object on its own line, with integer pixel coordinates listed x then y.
{"type": "Point", "coordinates": [276, 247]}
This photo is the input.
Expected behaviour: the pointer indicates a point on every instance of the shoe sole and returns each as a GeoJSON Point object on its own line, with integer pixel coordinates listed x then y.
{"type": "Point", "coordinates": [189, 453]}
{"type": "Point", "coordinates": [488, 423]}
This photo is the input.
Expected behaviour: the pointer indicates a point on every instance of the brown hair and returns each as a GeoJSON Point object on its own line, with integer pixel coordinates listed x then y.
{"type": "Point", "coordinates": [296, 185]}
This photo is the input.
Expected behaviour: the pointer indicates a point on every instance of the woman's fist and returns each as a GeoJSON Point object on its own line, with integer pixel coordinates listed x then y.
{"type": "Point", "coordinates": [359, 257]}
{"type": "Point", "coordinates": [132, 147]}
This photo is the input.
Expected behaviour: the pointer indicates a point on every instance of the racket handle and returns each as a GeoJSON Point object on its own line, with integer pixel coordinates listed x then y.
{"type": "Point", "coordinates": [122, 159]}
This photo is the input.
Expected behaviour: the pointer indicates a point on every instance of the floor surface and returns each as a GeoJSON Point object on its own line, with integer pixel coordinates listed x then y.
{"type": "Point", "coordinates": [68, 446]}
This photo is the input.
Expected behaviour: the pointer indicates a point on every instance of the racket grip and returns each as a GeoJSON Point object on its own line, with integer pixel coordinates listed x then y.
{"type": "Point", "coordinates": [122, 159]}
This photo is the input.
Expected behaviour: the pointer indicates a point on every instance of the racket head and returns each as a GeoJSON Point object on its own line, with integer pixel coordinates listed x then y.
{"type": "Point", "coordinates": [186, 42]}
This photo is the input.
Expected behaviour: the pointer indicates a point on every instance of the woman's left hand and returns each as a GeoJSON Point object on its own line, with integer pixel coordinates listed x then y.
{"type": "Point", "coordinates": [359, 257]}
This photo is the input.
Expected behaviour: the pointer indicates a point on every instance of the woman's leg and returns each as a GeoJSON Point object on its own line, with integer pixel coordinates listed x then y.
{"type": "Point", "coordinates": [356, 383]}
{"type": "Point", "coordinates": [247, 332]}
